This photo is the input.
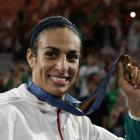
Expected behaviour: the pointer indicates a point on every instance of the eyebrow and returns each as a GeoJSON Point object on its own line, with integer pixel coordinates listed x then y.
{"type": "Point", "coordinates": [57, 50]}
{"type": "Point", "coordinates": [52, 48]}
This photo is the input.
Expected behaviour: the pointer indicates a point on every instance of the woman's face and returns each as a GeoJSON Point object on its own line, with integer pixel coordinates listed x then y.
{"type": "Point", "coordinates": [55, 66]}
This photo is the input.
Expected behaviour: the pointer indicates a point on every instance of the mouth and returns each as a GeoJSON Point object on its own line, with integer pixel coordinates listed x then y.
{"type": "Point", "coordinates": [59, 80]}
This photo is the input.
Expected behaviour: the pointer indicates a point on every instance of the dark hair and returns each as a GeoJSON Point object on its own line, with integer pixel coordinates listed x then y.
{"type": "Point", "coordinates": [49, 23]}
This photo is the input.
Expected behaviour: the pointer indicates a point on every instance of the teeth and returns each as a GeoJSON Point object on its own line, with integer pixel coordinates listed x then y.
{"type": "Point", "coordinates": [57, 78]}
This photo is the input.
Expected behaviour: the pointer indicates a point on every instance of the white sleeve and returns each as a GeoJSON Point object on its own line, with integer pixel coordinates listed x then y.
{"type": "Point", "coordinates": [133, 117]}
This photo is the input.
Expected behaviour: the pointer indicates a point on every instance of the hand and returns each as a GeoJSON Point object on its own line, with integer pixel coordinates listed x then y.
{"type": "Point", "coordinates": [132, 91]}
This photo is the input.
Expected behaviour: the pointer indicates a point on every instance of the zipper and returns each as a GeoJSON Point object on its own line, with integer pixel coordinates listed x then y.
{"type": "Point", "coordinates": [58, 124]}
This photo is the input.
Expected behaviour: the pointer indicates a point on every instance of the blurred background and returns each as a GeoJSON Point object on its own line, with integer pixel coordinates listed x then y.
{"type": "Point", "coordinates": [108, 28]}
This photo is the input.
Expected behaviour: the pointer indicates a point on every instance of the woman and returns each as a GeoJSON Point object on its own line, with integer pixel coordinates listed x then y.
{"type": "Point", "coordinates": [27, 112]}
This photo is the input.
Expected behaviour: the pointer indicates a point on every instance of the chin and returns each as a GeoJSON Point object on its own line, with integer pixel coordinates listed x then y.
{"type": "Point", "coordinates": [57, 92]}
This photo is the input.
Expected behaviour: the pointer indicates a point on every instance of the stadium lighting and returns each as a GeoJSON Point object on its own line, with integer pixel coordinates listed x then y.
{"type": "Point", "coordinates": [132, 14]}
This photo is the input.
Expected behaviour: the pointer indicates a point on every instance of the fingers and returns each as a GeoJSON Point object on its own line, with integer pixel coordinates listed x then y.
{"type": "Point", "coordinates": [131, 90]}
{"type": "Point", "coordinates": [123, 83]}
{"type": "Point", "coordinates": [136, 77]}
{"type": "Point", "coordinates": [121, 73]}
{"type": "Point", "coordinates": [121, 79]}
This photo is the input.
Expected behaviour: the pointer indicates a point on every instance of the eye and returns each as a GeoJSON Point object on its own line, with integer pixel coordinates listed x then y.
{"type": "Point", "coordinates": [73, 57]}
{"type": "Point", "coordinates": [51, 54]}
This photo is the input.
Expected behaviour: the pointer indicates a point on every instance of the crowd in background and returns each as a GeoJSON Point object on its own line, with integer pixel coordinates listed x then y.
{"type": "Point", "coordinates": [107, 30]}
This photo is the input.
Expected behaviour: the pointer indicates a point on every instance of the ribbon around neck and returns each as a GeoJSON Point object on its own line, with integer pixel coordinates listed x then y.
{"type": "Point", "coordinates": [72, 105]}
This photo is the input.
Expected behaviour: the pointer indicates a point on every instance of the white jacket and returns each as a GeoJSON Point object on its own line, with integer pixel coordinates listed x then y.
{"type": "Point", "coordinates": [23, 117]}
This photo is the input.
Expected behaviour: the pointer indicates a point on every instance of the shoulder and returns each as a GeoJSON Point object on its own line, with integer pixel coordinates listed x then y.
{"type": "Point", "coordinates": [6, 97]}
{"type": "Point", "coordinates": [14, 91]}
{"type": "Point", "coordinates": [13, 100]}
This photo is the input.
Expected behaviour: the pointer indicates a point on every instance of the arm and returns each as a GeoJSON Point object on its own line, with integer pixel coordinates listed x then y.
{"type": "Point", "coordinates": [132, 91]}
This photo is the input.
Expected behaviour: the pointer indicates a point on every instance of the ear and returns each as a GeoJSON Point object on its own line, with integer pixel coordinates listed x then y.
{"type": "Point", "coordinates": [30, 58]}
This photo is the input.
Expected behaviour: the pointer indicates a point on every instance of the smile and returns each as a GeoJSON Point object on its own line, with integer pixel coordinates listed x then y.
{"type": "Point", "coordinates": [56, 78]}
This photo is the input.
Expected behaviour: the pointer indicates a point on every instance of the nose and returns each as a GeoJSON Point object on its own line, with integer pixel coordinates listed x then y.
{"type": "Point", "coordinates": [62, 64]}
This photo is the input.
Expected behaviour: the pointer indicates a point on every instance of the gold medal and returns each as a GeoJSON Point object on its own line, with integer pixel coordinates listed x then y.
{"type": "Point", "coordinates": [127, 66]}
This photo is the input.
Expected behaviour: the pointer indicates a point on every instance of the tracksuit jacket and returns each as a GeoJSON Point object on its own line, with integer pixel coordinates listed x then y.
{"type": "Point", "coordinates": [24, 117]}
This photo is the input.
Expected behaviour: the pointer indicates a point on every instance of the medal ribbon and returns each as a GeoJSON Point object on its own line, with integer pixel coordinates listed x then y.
{"type": "Point", "coordinates": [70, 104]}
